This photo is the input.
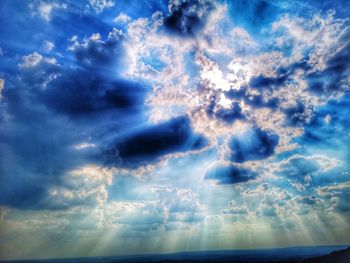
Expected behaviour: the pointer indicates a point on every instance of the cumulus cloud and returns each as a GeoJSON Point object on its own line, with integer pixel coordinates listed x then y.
{"type": "Point", "coordinates": [45, 9]}
{"type": "Point", "coordinates": [30, 60]}
{"type": "Point", "coordinates": [38, 70]}
{"type": "Point", "coordinates": [95, 51]}
{"type": "Point", "coordinates": [48, 46]}
{"type": "Point", "coordinates": [100, 5]}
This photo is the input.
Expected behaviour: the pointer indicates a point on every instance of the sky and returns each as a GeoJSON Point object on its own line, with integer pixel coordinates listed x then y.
{"type": "Point", "coordinates": [132, 127]}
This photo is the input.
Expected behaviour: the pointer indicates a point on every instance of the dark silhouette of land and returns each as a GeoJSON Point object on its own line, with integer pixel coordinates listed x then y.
{"type": "Point", "coordinates": [340, 256]}
{"type": "Point", "coordinates": [320, 254]}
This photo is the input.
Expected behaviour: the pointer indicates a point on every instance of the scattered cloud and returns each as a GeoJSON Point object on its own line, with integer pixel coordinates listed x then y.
{"type": "Point", "coordinates": [100, 5]}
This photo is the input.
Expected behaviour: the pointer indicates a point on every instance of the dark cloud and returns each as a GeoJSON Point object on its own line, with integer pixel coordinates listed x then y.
{"type": "Point", "coordinates": [187, 17]}
{"type": "Point", "coordinates": [296, 115]}
{"type": "Point", "coordinates": [229, 174]}
{"type": "Point", "coordinates": [236, 94]}
{"type": "Point", "coordinates": [231, 114]}
{"type": "Point", "coordinates": [228, 115]}
{"type": "Point", "coordinates": [79, 93]}
{"type": "Point", "coordinates": [320, 133]}
{"type": "Point", "coordinates": [255, 101]}
{"type": "Point", "coordinates": [331, 80]}
{"type": "Point", "coordinates": [49, 109]}
{"type": "Point", "coordinates": [258, 101]}
{"type": "Point", "coordinates": [149, 144]}
{"type": "Point", "coordinates": [267, 82]}
{"type": "Point", "coordinates": [254, 145]}
{"type": "Point", "coordinates": [35, 150]}
{"type": "Point", "coordinates": [98, 53]}
{"type": "Point", "coordinates": [299, 167]}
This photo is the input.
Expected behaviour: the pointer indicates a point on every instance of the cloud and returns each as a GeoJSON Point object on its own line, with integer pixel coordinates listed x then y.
{"type": "Point", "coordinates": [229, 174]}
{"type": "Point", "coordinates": [187, 17]}
{"type": "Point", "coordinates": [254, 145]}
{"type": "Point", "coordinates": [94, 52]}
{"type": "Point", "coordinates": [302, 169]}
{"type": "Point", "coordinates": [48, 46]}
{"type": "Point", "coordinates": [45, 9]}
{"type": "Point", "coordinates": [254, 15]}
{"type": "Point", "coordinates": [332, 80]}
{"type": "Point", "coordinates": [231, 114]}
{"type": "Point", "coordinates": [275, 203]}
{"type": "Point", "coordinates": [31, 60]}
{"type": "Point", "coordinates": [109, 132]}
{"type": "Point", "coordinates": [83, 186]}
{"type": "Point", "coordinates": [172, 209]}
{"type": "Point", "coordinates": [151, 143]}
{"type": "Point", "coordinates": [338, 195]}
{"type": "Point", "coordinates": [235, 209]}
{"type": "Point", "coordinates": [100, 5]}
{"type": "Point", "coordinates": [38, 71]}
{"type": "Point", "coordinates": [44, 109]}
{"type": "Point", "coordinates": [122, 19]}
{"type": "Point", "coordinates": [33, 153]}
{"type": "Point", "coordinates": [299, 167]}
{"type": "Point", "coordinates": [77, 94]}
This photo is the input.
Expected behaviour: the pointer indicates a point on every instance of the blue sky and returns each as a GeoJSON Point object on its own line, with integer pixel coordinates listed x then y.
{"type": "Point", "coordinates": [130, 127]}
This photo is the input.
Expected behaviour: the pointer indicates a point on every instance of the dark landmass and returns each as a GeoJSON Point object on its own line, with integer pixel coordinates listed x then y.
{"type": "Point", "coordinates": [340, 256]}
{"type": "Point", "coordinates": [320, 254]}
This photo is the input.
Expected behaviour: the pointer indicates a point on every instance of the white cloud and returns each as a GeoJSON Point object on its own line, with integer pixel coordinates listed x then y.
{"type": "Point", "coordinates": [338, 195]}
{"type": "Point", "coordinates": [178, 91]}
{"type": "Point", "coordinates": [35, 59]}
{"type": "Point", "coordinates": [321, 35]}
{"type": "Point", "coordinates": [122, 19]}
{"type": "Point", "coordinates": [100, 5]}
{"type": "Point", "coordinates": [45, 9]}
{"type": "Point", "coordinates": [30, 60]}
{"type": "Point", "coordinates": [234, 209]}
{"type": "Point", "coordinates": [173, 209]}
{"type": "Point", "coordinates": [48, 46]}
{"type": "Point", "coordinates": [85, 186]}
{"type": "Point", "coordinates": [84, 145]}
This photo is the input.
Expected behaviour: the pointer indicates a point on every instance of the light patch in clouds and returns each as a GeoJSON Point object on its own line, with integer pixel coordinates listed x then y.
{"type": "Point", "coordinates": [84, 145]}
